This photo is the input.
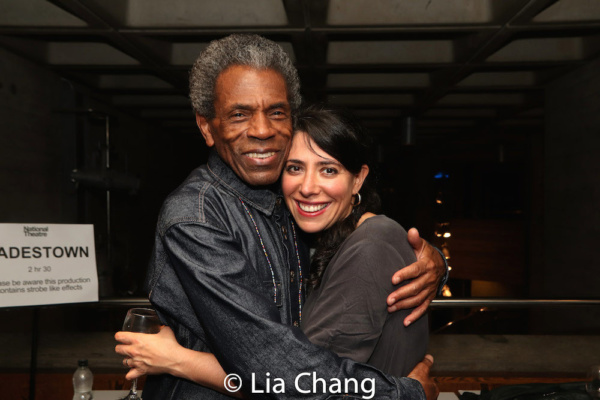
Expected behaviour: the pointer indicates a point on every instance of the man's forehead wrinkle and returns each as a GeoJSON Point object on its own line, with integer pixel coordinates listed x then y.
{"type": "Point", "coordinates": [253, 107]}
{"type": "Point", "coordinates": [242, 106]}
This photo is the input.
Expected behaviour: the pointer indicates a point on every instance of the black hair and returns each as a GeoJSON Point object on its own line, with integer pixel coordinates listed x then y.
{"type": "Point", "coordinates": [339, 134]}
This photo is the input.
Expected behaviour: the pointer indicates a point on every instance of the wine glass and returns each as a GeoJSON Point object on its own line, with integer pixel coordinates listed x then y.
{"type": "Point", "coordinates": [592, 384]}
{"type": "Point", "coordinates": [143, 320]}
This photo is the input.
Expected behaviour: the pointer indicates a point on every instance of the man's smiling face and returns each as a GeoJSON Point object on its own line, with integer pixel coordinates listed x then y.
{"type": "Point", "coordinates": [252, 127]}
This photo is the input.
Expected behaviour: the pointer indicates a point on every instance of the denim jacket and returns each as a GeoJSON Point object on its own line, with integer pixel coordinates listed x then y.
{"type": "Point", "coordinates": [224, 275]}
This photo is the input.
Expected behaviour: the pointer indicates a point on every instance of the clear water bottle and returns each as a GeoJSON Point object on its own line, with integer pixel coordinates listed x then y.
{"type": "Point", "coordinates": [82, 382]}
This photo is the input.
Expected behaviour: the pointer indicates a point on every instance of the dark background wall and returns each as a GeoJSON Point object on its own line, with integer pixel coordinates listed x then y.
{"type": "Point", "coordinates": [37, 146]}
{"type": "Point", "coordinates": [572, 185]}
{"type": "Point", "coordinates": [571, 202]}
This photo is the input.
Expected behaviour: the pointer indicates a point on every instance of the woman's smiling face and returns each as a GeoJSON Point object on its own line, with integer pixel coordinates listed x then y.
{"type": "Point", "coordinates": [318, 189]}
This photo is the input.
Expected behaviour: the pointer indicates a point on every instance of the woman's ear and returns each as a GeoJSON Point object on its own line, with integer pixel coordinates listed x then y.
{"type": "Point", "coordinates": [204, 127]}
{"type": "Point", "coordinates": [359, 178]}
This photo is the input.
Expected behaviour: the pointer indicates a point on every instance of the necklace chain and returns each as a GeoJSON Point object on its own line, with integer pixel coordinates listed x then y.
{"type": "Point", "coordinates": [300, 282]}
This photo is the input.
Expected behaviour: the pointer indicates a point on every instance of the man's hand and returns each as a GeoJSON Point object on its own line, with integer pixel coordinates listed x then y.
{"type": "Point", "coordinates": [421, 373]}
{"type": "Point", "coordinates": [426, 274]}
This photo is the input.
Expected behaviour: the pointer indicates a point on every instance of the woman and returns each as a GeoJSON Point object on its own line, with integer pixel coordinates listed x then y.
{"type": "Point", "coordinates": [327, 188]}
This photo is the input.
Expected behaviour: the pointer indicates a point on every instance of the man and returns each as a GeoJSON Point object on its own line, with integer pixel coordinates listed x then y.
{"type": "Point", "coordinates": [227, 268]}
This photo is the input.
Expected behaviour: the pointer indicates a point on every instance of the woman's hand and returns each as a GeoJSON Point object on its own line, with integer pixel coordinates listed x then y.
{"type": "Point", "coordinates": [149, 354]}
{"type": "Point", "coordinates": [153, 354]}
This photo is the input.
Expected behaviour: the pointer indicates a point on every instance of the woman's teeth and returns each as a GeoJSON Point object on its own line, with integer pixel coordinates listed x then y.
{"type": "Point", "coordinates": [311, 207]}
{"type": "Point", "coordinates": [261, 155]}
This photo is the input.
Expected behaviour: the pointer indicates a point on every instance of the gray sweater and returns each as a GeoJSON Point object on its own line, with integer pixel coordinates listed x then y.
{"type": "Point", "coordinates": [348, 314]}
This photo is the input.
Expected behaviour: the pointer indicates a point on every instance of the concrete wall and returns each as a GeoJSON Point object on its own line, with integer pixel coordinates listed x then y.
{"type": "Point", "coordinates": [36, 144]}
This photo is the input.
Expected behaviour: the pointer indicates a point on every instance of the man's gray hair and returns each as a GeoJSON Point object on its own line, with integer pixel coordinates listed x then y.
{"type": "Point", "coordinates": [251, 50]}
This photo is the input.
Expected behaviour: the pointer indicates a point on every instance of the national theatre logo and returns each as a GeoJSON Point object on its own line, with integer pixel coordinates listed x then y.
{"type": "Point", "coordinates": [35, 231]}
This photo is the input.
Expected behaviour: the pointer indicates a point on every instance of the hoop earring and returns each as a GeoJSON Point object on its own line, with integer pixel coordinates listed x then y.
{"type": "Point", "coordinates": [358, 200]}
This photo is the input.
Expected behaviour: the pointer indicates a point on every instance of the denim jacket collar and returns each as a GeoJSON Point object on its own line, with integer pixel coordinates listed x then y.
{"type": "Point", "coordinates": [262, 199]}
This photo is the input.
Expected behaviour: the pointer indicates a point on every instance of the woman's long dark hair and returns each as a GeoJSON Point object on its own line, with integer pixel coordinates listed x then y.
{"type": "Point", "coordinates": [338, 133]}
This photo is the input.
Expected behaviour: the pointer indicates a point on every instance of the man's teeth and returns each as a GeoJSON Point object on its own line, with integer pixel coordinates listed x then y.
{"type": "Point", "coordinates": [311, 207]}
{"type": "Point", "coordinates": [261, 155]}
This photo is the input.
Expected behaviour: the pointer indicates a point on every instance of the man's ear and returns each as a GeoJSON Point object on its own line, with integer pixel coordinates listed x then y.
{"type": "Point", "coordinates": [204, 127]}
{"type": "Point", "coordinates": [359, 178]}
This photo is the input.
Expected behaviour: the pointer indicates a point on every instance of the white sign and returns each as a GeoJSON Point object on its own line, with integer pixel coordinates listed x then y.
{"type": "Point", "coordinates": [47, 264]}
